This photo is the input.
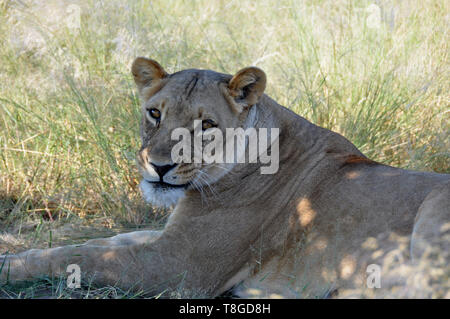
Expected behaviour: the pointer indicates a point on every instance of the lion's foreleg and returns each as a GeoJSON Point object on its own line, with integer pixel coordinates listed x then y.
{"type": "Point", "coordinates": [133, 238]}
{"type": "Point", "coordinates": [103, 264]}
{"type": "Point", "coordinates": [153, 266]}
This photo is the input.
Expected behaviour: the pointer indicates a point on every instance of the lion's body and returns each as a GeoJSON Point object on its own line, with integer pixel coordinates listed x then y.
{"type": "Point", "coordinates": [310, 230]}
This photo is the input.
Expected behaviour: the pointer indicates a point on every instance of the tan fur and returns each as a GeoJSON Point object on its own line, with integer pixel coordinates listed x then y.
{"type": "Point", "coordinates": [310, 230]}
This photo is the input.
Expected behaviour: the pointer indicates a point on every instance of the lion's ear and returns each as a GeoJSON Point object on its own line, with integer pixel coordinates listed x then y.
{"type": "Point", "coordinates": [247, 86]}
{"type": "Point", "coordinates": [147, 73]}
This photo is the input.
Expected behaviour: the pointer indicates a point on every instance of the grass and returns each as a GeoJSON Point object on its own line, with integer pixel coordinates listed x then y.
{"type": "Point", "coordinates": [377, 72]}
{"type": "Point", "coordinates": [56, 288]}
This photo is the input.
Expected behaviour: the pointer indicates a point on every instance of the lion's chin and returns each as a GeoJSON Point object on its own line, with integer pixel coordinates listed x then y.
{"type": "Point", "coordinates": [161, 196]}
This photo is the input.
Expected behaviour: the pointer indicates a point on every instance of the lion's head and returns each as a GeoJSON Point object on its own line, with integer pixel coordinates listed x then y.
{"type": "Point", "coordinates": [171, 101]}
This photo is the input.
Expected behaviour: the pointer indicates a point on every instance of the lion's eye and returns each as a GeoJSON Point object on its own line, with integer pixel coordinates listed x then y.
{"type": "Point", "coordinates": [155, 113]}
{"type": "Point", "coordinates": [206, 124]}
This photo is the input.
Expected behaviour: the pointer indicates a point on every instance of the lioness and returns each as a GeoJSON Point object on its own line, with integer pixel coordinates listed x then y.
{"type": "Point", "coordinates": [329, 223]}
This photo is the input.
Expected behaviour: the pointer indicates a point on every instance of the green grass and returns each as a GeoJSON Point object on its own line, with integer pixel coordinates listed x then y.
{"type": "Point", "coordinates": [56, 288]}
{"type": "Point", "coordinates": [69, 112]}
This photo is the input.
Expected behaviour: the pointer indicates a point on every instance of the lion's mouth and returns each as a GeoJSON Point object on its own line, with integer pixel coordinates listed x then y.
{"type": "Point", "coordinates": [164, 185]}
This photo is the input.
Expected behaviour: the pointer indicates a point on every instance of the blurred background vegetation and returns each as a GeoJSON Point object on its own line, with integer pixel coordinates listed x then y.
{"type": "Point", "coordinates": [375, 71]}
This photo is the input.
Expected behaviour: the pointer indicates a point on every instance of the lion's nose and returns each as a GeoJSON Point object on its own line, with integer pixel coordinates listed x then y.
{"type": "Point", "coordinates": [161, 170]}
